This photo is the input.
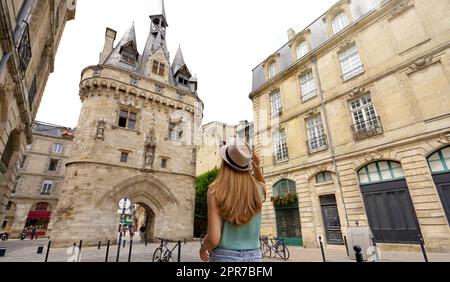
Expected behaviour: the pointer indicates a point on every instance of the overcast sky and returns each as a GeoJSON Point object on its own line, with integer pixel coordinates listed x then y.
{"type": "Point", "coordinates": [222, 41]}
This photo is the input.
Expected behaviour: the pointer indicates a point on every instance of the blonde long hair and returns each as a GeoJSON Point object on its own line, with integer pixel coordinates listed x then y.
{"type": "Point", "coordinates": [237, 195]}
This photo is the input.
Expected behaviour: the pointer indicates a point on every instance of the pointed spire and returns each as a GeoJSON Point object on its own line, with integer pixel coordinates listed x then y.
{"type": "Point", "coordinates": [129, 36]}
{"type": "Point", "coordinates": [178, 61]}
{"type": "Point", "coordinates": [159, 11]}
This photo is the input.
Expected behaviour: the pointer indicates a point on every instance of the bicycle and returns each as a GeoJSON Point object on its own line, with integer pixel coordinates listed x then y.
{"type": "Point", "coordinates": [163, 253]}
{"type": "Point", "coordinates": [276, 246]}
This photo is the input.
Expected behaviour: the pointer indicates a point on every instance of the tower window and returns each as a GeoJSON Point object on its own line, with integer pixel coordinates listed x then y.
{"type": "Point", "coordinates": [4, 224]}
{"type": "Point", "coordinates": [158, 68]}
{"type": "Point", "coordinates": [164, 163]}
{"type": "Point", "coordinates": [124, 157]}
{"type": "Point", "coordinates": [53, 165]}
{"type": "Point", "coordinates": [9, 206]}
{"type": "Point", "coordinates": [127, 119]}
{"type": "Point", "coordinates": [183, 81]}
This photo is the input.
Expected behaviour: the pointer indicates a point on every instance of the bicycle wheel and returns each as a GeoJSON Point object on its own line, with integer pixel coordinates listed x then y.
{"type": "Point", "coordinates": [266, 251]}
{"type": "Point", "coordinates": [168, 256]}
{"type": "Point", "coordinates": [286, 255]}
{"type": "Point", "coordinates": [157, 255]}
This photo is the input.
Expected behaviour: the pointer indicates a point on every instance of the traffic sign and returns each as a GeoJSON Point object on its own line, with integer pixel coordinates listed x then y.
{"type": "Point", "coordinates": [125, 204]}
{"type": "Point", "coordinates": [127, 211]}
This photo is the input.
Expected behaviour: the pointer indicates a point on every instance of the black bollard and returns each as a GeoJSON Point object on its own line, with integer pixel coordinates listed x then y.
{"type": "Point", "coordinates": [358, 254]}
{"type": "Point", "coordinates": [107, 251]}
{"type": "Point", "coordinates": [322, 249]}
{"type": "Point", "coordinates": [48, 250]}
{"type": "Point", "coordinates": [73, 248]}
{"type": "Point", "coordinates": [124, 242]}
{"type": "Point", "coordinates": [346, 245]}
{"type": "Point", "coordinates": [99, 245]}
{"type": "Point", "coordinates": [131, 248]}
{"type": "Point", "coordinates": [422, 246]}
{"type": "Point", "coordinates": [79, 250]}
{"type": "Point", "coordinates": [179, 251]}
{"type": "Point", "coordinates": [146, 242]}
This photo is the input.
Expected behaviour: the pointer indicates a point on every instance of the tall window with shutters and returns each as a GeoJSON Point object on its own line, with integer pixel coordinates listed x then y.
{"type": "Point", "coordinates": [308, 86]}
{"type": "Point", "coordinates": [350, 63]}
{"type": "Point", "coordinates": [281, 148]}
{"type": "Point", "coordinates": [365, 119]}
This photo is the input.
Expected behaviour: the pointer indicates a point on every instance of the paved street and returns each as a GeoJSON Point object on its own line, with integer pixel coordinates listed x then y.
{"type": "Point", "coordinates": [26, 251]}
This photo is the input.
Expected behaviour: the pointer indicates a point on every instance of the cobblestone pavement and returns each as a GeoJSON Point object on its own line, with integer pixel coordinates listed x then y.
{"type": "Point", "coordinates": [26, 251]}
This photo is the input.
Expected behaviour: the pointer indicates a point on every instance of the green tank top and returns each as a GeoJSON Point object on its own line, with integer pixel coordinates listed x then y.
{"type": "Point", "coordinates": [242, 238]}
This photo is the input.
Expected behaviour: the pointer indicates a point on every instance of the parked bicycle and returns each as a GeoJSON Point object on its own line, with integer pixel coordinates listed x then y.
{"type": "Point", "coordinates": [274, 247]}
{"type": "Point", "coordinates": [163, 253]}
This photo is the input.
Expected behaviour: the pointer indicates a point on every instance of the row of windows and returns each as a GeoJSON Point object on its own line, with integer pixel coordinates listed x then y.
{"type": "Point", "coordinates": [124, 159]}
{"type": "Point", "coordinates": [366, 123]}
{"type": "Point", "coordinates": [128, 119]}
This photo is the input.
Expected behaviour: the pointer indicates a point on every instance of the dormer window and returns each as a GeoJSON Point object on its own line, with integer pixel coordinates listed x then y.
{"type": "Point", "coordinates": [272, 70]}
{"type": "Point", "coordinates": [128, 54]}
{"type": "Point", "coordinates": [183, 81]}
{"type": "Point", "coordinates": [340, 21]}
{"type": "Point", "coordinates": [302, 49]}
{"type": "Point", "coordinates": [158, 68]}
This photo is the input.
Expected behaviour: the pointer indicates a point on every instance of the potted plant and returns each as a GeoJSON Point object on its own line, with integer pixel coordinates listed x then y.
{"type": "Point", "coordinates": [285, 200]}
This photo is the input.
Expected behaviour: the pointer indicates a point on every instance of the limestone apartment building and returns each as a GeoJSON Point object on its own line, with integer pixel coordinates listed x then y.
{"type": "Point", "coordinates": [352, 115]}
{"type": "Point", "coordinates": [41, 176]}
{"type": "Point", "coordinates": [213, 136]}
{"type": "Point", "coordinates": [30, 32]}
{"type": "Point", "coordinates": [134, 140]}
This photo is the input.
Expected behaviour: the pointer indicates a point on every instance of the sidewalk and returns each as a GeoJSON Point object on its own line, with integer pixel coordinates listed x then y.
{"type": "Point", "coordinates": [25, 251]}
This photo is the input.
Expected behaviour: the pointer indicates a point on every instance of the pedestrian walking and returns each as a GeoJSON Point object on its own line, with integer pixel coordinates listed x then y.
{"type": "Point", "coordinates": [33, 232]}
{"type": "Point", "coordinates": [235, 202]}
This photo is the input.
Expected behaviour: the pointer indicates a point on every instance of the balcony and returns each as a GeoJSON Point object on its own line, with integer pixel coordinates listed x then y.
{"type": "Point", "coordinates": [308, 96]}
{"type": "Point", "coordinates": [367, 129]}
{"type": "Point", "coordinates": [317, 144]}
{"type": "Point", "coordinates": [24, 49]}
{"type": "Point", "coordinates": [280, 157]}
{"type": "Point", "coordinates": [277, 113]}
{"type": "Point", "coordinates": [354, 72]}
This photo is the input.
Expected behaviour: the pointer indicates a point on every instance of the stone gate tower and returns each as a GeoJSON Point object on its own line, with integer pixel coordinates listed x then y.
{"type": "Point", "coordinates": [135, 140]}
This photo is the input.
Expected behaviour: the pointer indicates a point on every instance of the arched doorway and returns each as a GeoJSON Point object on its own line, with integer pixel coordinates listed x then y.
{"type": "Point", "coordinates": [144, 220]}
{"type": "Point", "coordinates": [439, 163]}
{"type": "Point", "coordinates": [287, 212]}
{"type": "Point", "coordinates": [389, 207]}
{"type": "Point", "coordinates": [39, 217]}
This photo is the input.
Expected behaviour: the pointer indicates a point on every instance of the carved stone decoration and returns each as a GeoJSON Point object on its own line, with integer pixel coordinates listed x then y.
{"type": "Point", "coordinates": [402, 7]}
{"type": "Point", "coordinates": [149, 157]}
{"type": "Point", "coordinates": [444, 139]}
{"type": "Point", "coordinates": [357, 91]}
{"type": "Point", "coordinates": [373, 156]}
{"type": "Point", "coordinates": [319, 169]}
{"type": "Point", "coordinates": [421, 63]}
{"type": "Point", "coordinates": [101, 128]}
{"type": "Point", "coordinates": [97, 70]}
{"type": "Point", "coordinates": [159, 88]}
{"type": "Point", "coordinates": [134, 80]}
{"type": "Point", "coordinates": [312, 112]}
{"type": "Point", "coordinates": [150, 144]}
{"type": "Point", "coordinates": [346, 44]}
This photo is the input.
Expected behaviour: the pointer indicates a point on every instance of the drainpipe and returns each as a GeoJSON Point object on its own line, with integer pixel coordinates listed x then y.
{"type": "Point", "coordinates": [330, 139]}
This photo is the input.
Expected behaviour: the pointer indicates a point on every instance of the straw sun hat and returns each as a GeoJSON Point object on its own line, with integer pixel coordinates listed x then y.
{"type": "Point", "coordinates": [238, 156]}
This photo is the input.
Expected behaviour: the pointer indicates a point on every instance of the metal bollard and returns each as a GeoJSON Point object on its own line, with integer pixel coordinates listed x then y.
{"type": "Point", "coordinates": [73, 248]}
{"type": "Point", "coordinates": [79, 250]}
{"type": "Point", "coordinates": [179, 251]}
{"type": "Point", "coordinates": [422, 246]}
{"type": "Point", "coordinates": [48, 250]}
{"type": "Point", "coordinates": [131, 248]}
{"type": "Point", "coordinates": [346, 245]}
{"type": "Point", "coordinates": [322, 249]}
{"type": "Point", "coordinates": [359, 256]}
{"type": "Point", "coordinates": [124, 242]}
{"type": "Point", "coordinates": [99, 245]}
{"type": "Point", "coordinates": [146, 242]}
{"type": "Point", "coordinates": [107, 251]}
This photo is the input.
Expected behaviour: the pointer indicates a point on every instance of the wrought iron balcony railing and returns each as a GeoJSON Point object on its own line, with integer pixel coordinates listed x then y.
{"type": "Point", "coordinates": [317, 144]}
{"type": "Point", "coordinates": [354, 72]}
{"type": "Point", "coordinates": [367, 129]}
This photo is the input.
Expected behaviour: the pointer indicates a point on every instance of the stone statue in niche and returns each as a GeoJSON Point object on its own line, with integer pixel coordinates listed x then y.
{"type": "Point", "coordinates": [101, 128]}
{"type": "Point", "coordinates": [149, 157]}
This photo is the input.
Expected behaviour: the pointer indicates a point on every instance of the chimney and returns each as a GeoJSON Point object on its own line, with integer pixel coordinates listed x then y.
{"type": "Point", "coordinates": [110, 36]}
{"type": "Point", "coordinates": [291, 33]}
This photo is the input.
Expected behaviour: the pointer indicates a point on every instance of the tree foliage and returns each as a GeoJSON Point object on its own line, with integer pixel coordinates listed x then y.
{"type": "Point", "coordinates": [202, 184]}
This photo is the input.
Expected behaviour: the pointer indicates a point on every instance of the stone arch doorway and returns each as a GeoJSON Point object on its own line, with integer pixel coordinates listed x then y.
{"type": "Point", "coordinates": [439, 163]}
{"type": "Point", "coordinates": [39, 217]}
{"type": "Point", "coordinates": [144, 220]}
{"type": "Point", "coordinates": [389, 205]}
{"type": "Point", "coordinates": [149, 196]}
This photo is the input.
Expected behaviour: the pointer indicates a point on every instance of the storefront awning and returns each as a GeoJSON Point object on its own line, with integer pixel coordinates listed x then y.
{"type": "Point", "coordinates": [39, 214]}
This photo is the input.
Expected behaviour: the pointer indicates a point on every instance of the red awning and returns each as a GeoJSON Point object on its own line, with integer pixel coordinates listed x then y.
{"type": "Point", "coordinates": [39, 214]}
